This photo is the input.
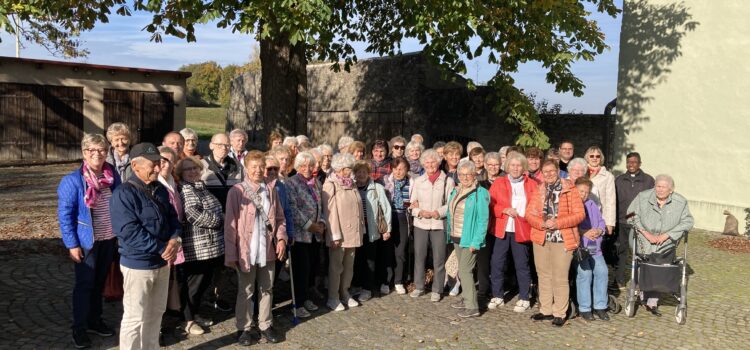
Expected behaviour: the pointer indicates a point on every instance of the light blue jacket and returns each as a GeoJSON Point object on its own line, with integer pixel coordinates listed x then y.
{"type": "Point", "coordinates": [673, 219]}
{"type": "Point", "coordinates": [376, 196]}
{"type": "Point", "coordinates": [476, 218]}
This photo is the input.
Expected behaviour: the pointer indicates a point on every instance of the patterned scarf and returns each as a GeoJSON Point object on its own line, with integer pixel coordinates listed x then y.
{"type": "Point", "coordinates": [310, 186]}
{"type": "Point", "coordinates": [551, 199]}
{"type": "Point", "coordinates": [398, 196]}
{"type": "Point", "coordinates": [347, 182]}
{"type": "Point", "coordinates": [95, 184]}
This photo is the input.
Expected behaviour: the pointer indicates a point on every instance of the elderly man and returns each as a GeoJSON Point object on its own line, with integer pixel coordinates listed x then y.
{"type": "Point", "coordinates": [175, 141]}
{"type": "Point", "coordinates": [220, 171]}
{"type": "Point", "coordinates": [148, 234]}
{"type": "Point", "coordinates": [566, 154]}
{"type": "Point", "coordinates": [238, 140]}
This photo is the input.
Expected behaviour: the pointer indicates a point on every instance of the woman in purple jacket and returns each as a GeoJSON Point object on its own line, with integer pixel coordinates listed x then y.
{"type": "Point", "coordinates": [592, 271]}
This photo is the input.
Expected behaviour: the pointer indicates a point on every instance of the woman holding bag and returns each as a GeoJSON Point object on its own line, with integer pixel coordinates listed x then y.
{"type": "Point", "coordinates": [508, 197]}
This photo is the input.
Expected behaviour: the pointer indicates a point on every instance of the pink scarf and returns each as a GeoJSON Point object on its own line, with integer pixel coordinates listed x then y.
{"type": "Point", "coordinates": [94, 184]}
{"type": "Point", "coordinates": [310, 185]}
{"type": "Point", "coordinates": [347, 182]}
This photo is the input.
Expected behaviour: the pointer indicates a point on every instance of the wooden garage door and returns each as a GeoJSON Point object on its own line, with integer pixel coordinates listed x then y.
{"type": "Point", "coordinates": [149, 115]}
{"type": "Point", "coordinates": [64, 124]}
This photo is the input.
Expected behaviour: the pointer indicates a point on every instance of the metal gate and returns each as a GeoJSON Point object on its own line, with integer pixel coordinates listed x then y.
{"type": "Point", "coordinates": [149, 115]}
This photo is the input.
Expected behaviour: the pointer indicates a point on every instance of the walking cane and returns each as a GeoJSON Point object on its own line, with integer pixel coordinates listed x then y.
{"type": "Point", "coordinates": [295, 319]}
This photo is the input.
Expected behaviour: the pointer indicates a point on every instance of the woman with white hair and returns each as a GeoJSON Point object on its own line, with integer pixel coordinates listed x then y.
{"type": "Point", "coordinates": [429, 200]}
{"type": "Point", "coordinates": [604, 187]}
{"type": "Point", "coordinates": [191, 144]}
{"type": "Point", "coordinates": [577, 168]}
{"type": "Point", "coordinates": [118, 135]}
{"type": "Point", "coordinates": [662, 217]}
{"type": "Point", "coordinates": [344, 142]}
{"type": "Point", "coordinates": [342, 212]}
{"type": "Point", "coordinates": [326, 154]}
{"type": "Point", "coordinates": [467, 218]}
{"type": "Point", "coordinates": [305, 193]}
{"type": "Point", "coordinates": [413, 153]}
{"type": "Point", "coordinates": [292, 143]}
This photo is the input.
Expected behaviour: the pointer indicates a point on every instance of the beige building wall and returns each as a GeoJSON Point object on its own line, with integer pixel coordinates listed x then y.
{"type": "Point", "coordinates": [94, 81]}
{"type": "Point", "coordinates": [683, 88]}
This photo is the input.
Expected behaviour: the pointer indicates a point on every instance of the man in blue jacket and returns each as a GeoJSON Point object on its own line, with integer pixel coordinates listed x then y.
{"type": "Point", "coordinates": [148, 234]}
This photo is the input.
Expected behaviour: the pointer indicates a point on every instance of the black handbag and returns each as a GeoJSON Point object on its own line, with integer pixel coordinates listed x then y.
{"type": "Point", "coordinates": [581, 254]}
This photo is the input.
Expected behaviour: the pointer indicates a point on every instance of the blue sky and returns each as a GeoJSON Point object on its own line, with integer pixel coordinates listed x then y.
{"type": "Point", "coordinates": [122, 42]}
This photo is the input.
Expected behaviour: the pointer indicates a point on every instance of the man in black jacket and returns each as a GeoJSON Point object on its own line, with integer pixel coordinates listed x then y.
{"type": "Point", "coordinates": [628, 186]}
{"type": "Point", "coordinates": [148, 234]}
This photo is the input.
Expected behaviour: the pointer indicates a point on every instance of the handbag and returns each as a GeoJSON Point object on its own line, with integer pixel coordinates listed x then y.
{"type": "Point", "coordinates": [113, 289]}
{"type": "Point", "coordinates": [380, 217]}
{"type": "Point", "coordinates": [523, 229]}
{"type": "Point", "coordinates": [581, 254]}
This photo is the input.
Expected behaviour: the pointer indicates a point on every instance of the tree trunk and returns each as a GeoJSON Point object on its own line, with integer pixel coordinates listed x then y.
{"type": "Point", "coordinates": [283, 86]}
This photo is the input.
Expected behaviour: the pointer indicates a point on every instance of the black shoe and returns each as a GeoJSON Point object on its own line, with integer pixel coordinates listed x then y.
{"type": "Point", "coordinates": [246, 339]}
{"type": "Point", "coordinates": [654, 310]}
{"type": "Point", "coordinates": [558, 321]}
{"type": "Point", "coordinates": [588, 316]}
{"type": "Point", "coordinates": [466, 313]}
{"type": "Point", "coordinates": [602, 315]}
{"type": "Point", "coordinates": [270, 335]}
{"type": "Point", "coordinates": [222, 306]}
{"type": "Point", "coordinates": [81, 340]}
{"type": "Point", "coordinates": [162, 343]}
{"type": "Point", "coordinates": [101, 329]}
{"type": "Point", "coordinates": [541, 317]}
{"type": "Point", "coordinates": [458, 305]}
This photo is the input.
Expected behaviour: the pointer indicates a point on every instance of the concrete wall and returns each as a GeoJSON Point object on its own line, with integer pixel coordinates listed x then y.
{"type": "Point", "coordinates": [682, 100]}
{"type": "Point", "coordinates": [94, 81]}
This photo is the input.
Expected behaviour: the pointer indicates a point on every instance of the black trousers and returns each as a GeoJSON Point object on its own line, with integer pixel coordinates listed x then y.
{"type": "Point", "coordinates": [301, 270]}
{"type": "Point", "coordinates": [397, 246]}
{"type": "Point", "coordinates": [483, 266]}
{"type": "Point", "coordinates": [193, 278]}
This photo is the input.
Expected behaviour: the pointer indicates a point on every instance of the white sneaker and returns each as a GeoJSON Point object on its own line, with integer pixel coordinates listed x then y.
{"type": "Point", "coordinates": [203, 322]}
{"type": "Point", "coordinates": [434, 297]}
{"type": "Point", "coordinates": [310, 306]}
{"type": "Point", "coordinates": [400, 289]}
{"type": "Point", "coordinates": [365, 295]}
{"type": "Point", "coordinates": [351, 302]}
{"type": "Point", "coordinates": [335, 305]}
{"type": "Point", "coordinates": [385, 290]}
{"type": "Point", "coordinates": [416, 293]}
{"type": "Point", "coordinates": [495, 303]}
{"type": "Point", "coordinates": [193, 328]}
{"type": "Point", "coordinates": [454, 291]}
{"type": "Point", "coordinates": [302, 313]}
{"type": "Point", "coordinates": [522, 306]}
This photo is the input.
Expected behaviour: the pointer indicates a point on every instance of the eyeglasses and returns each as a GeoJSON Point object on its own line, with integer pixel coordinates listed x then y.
{"type": "Point", "coordinates": [491, 164]}
{"type": "Point", "coordinates": [595, 156]}
{"type": "Point", "coordinates": [95, 150]}
{"type": "Point", "coordinates": [221, 144]}
{"type": "Point", "coordinates": [399, 147]}
{"type": "Point", "coordinates": [273, 168]}
{"type": "Point", "coordinates": [466, 175]}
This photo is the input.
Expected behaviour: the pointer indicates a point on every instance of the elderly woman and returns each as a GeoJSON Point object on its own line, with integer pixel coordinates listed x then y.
{"type": "Point", "coordinates": [604, 186]}
{"type": "Point", "coordinates": [202, 241]}
{"type": "Point", "coordinates": [357, 149]}
{"type": "Point", "coordinates": [83, 213]}
{"type": "Point", "coordinates": [476, 155]}
{"type": "Point", "coordinates": [166, 178]}
{"type": "Point", "coordinates": [591, 272]}
{"type": "Point", "coordinates": [369, 263]}
{"type": "Point", "coordinates": [191, 144]}
{"type": "Point", "coordinates": [413, 152]}
{"type": "Point", "coordinates": [492, 164]}
{"type": "Point", "coordinates": [429, 200]}
{"type": "Point", "coordinates": [554, 212]}
{"type": "Point", "coordinates": [343, 144]}
{"type": "Point", "coordinates": [343, 211]}
{"type": "Point", "coordinates": [326, 154]}
{"type": "Point", "coordinates": [662, 217]}
{"type": "Point", "coordinates": [398, 147]}
{"type": "Point", "coordinates": [553, 154]}
{"type": "Point", "coordinates": [398, 188]}
{"type": "Point", "coordinates": [503, 154]}
{"type": "Point", "coordinates": [254, 236]}
{"type": "Point", "coordinates": [451, 156]}
{"type": "Point", "coordinates": [118, 135]}
{"type": "Point", "coordinates": [284, 155]}
{"type": "Point", "coordinates": [467, 218]}
{"type": "Point", "coordinates": [438, 146]}
{"type": "Point", "coordinates": [291, 142]}
{"type": "Point", "coordinates": [380, 165]}
{"type": "Point", "coordinates": [509, 196]}
{"type": "Point", "coordinates": [309, 226]}
{"type": "Point", "coordinates": [534, 157]}
{"type": "Point", "coordinates": [577, 168]}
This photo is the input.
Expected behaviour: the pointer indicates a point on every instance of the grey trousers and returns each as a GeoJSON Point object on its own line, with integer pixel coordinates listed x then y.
{"type": "Point", "coordinates": [467, 260]}
{"type": "Point", "coordinates": [340, 272]}
{"type": "Point", "coordinates": [422, 240]}
{"type": "Point", "coordinates": [246, 282]}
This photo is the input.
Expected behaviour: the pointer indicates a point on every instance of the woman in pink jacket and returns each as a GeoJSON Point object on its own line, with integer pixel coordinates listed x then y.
{"type": "Point", "coordinates": [254, 237]}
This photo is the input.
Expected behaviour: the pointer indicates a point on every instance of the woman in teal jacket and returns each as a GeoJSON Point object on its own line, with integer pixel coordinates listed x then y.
{"type": "Point", "coordinates": [467, 218]}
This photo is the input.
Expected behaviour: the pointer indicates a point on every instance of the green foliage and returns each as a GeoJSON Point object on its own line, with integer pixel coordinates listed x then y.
{"type": "Point", "coordinates": [555, 33]}
{"type": "Point", "coordinates": [203, 85]}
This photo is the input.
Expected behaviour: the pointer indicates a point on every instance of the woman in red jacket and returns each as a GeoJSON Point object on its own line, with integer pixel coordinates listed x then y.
{"type": "Point", "coordinates": [554, 212]}
{"type": "Point", "coordinates": [508, 197]}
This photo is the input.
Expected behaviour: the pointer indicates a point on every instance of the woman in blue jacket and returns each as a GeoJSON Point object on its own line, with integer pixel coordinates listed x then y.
{"type": "Point", "coordinates": [467, 218]}
{"type": "Point", "coordinates": [86, 228]}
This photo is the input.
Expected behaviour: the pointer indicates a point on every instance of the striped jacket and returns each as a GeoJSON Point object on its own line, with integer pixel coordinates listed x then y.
{"type": "Point", "coordinates": [203, 236]}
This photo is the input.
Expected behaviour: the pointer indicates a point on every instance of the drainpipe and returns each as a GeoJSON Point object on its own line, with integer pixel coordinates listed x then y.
{"type": "Point", "coordinates": [610, 106]}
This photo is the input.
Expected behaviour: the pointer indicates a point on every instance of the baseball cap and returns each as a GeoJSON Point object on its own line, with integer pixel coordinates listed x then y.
{"type": "Point", "coordinates": [146, 150]}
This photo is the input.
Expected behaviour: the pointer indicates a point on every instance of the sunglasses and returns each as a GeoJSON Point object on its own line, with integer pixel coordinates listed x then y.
{"type": "Point", "coordinates": [273, 168]}
{"type": "Point", "coordinates": [399, 147]}
{"type": "Point", "coordinates": [595, 156]}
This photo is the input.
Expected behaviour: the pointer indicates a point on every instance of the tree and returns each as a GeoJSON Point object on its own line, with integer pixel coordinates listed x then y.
{"type": "Point", "coordinates": [291, 32]}
{"type": "Point", "coordinates": [204, 82]}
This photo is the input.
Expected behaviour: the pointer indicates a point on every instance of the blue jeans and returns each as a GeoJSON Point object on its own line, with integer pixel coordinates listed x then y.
{"type": "Point", "coordinates": [593, 269]}
{"type": "Point", "coordinates": [90, 275]}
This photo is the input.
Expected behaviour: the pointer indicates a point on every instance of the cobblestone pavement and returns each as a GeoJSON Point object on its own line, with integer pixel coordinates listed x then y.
{"type": "Point", "coordinates": [36, 285]}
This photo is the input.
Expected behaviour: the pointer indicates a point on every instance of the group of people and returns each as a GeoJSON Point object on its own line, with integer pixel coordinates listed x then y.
{"type": "Point", "coordinates": [354, 221]}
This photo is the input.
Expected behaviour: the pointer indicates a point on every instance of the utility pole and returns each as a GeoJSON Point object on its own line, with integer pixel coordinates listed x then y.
{"type": "Point", "coordinates": [18, 37]}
